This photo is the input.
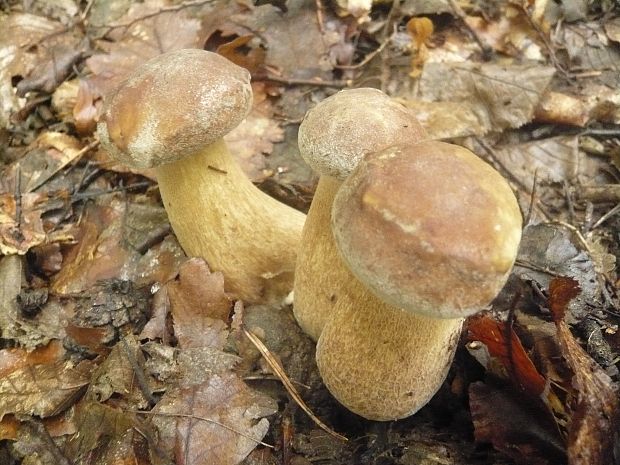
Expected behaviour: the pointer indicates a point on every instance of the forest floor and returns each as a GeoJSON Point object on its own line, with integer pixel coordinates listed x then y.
{"type": "Point", "coordinates": [117, 348]}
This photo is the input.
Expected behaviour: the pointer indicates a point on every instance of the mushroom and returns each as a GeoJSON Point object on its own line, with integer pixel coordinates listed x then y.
{"type": "Point", "coordinates": [333, 137]}
{"type": "Point", "coordinates": [432, 231]}
{"type": "Point", "coordinates": [172, 114]}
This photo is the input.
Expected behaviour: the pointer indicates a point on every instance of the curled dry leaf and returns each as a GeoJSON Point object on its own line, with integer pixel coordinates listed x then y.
{"type": "Point", "coordinates": [558, 108]}
{"type": "Point", "coordinates": [504, 344]}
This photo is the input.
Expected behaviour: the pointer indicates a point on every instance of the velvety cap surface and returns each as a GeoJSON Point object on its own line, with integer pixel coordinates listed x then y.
{"type": "Point", "coordinates": [173, 106]}
{"type": "Point", "coordinates": [340, 130]}
{"type": "Point", "coordinates": [430, 228]}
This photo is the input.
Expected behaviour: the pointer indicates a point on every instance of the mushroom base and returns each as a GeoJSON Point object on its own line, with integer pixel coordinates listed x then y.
{"type": "Point", "coordinates": [219, 215]}
{"type": "Point", "coordinates": [384, 363]}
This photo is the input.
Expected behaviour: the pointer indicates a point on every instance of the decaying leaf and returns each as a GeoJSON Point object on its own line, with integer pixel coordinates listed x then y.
{"type": "Point", "coordinates": [504, 344]}
{"type": "Point", "coordinates": [43, 390]}
{"type": "Point", "coordinates": [219, 421]}
{"type": "Point", "coordinates": [200, 307]}
{"type": "Point", "coordinates": [594, 428]}
{"type": "Point", "coordinates": [514, 426]}
{"type": "Point", "coordinates": [501, 96]}
{"type": "Point", "coordinates": [547, 250]}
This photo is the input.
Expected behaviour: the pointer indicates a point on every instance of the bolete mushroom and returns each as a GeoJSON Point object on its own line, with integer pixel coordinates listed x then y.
{"type": "Point", "coordinates": [333, 137]}
{"type": "Point", "coordinates": [171, 114]}
{"type": "Point", "coordinates": [433, 231]}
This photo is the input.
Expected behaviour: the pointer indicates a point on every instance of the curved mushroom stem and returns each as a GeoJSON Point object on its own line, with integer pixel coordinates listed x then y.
{"type": "Point", "coordinates": [315, 292]}
{"type": "Point", "coordinates": [382, 362]}
{"type": "Point", "coordinates": [244, 233]}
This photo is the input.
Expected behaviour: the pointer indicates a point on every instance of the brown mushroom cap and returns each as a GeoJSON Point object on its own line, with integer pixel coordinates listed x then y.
{"type": "Point", "coordinates": [173, 106]}
{"type": "Point", "coordinates": [430, 228]}
{"type": "Point", "coordinates": [340, 130]}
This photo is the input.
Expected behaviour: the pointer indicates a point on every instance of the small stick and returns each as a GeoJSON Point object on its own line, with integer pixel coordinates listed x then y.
{"type": "Point", "coordinates": [280, 373]}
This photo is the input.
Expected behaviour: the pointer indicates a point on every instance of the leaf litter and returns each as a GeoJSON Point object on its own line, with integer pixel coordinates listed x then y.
{"type": "Point", "coordinates": [118, 348]}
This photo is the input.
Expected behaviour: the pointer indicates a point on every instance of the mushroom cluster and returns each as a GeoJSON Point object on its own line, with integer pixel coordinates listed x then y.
{"type": "Point", "coordinates": [172, 114]}
{"type": "Point", "coordinates": [424, 234]}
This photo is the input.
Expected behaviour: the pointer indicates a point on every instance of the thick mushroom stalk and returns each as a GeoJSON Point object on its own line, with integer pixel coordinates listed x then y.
{"type": "Point", "coordinates": [334, 136]}
{"type": "Point", "coordinates": [429, 228]}
{"type": "Point", "coordinates": [172, 114]}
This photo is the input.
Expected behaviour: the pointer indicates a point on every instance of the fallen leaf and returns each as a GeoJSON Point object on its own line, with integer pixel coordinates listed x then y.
{"type": "Point", "coordinates": [514, 427]}
{"type": "Point", "coordinates": [595, 420]}
{"type": "Point", "coordinates": [43, 390]}
{"type": "Point", "coordinates": [199, 305]}
{"type": "Point", "coordinates": [17, 358]}
{"type": "Point", "coordinates": [502, 96]}
{"type": "Point", "coordinates": [220, 421]}
{"type": "Point", "coordinates": [504, 344]}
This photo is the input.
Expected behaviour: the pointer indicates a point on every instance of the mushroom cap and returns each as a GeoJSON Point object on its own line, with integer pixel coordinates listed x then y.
{"type": "Point", "coordinates": [430, 228]}
{"type": "Point", "coordinates": [173, 106]}
{"type": "Point", "coordinates": [340, 130]}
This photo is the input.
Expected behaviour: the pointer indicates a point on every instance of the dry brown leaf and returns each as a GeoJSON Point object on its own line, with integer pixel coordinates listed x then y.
{"type": "Point", "coordinates": [555, 160]}
{"type": "Point", "coordinates": [43, 390]}
{"type": "Point", "coordinates": [118, 375]}
{"type": "Point", "coordinates": [220, 421]}
{"type": "Point", "coordinates": [45, 157]}
{"type": "Point", "coordinates": [25, 41]}
{"type": "Point", "coordinates": [255, 136]}
{"type": "Point", "coordinates": [13, 359]}
{"type": "Point", "coordinates": [446, 120]}
{"type": "Point", "coordinates": [501, 96]}
{"type": "Point", "coordinates": [21, 226]}
{"type": "Point", "coordinates": [596, 409]}
{"type": "Point", "coordinates": [53, 70]}
{"type": "Point", "coordinates": [514, 426]}
{"type": "Point", "coordinates": [106, 236]}
{"type": "Point", "coordinates": [99, 426]}
{"type": "Point", "coordinates": [504, 344]}
{"type": "Point", "coordinates": [547, 250]}
{"type": "Point", "coordinates": [295, 45]}
{"type": "Point", "coordinates": [199, 305]}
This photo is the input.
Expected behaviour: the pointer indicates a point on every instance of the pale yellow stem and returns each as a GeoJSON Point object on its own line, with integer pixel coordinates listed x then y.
{"type": "Point", "coordinates": [381, 362]}
{"type": "Point", "coordinates": [219, 215]}
{"type": "Point", "coordinates": [320, 271]}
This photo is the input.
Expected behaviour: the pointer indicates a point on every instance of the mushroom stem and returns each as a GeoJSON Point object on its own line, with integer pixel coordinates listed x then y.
{"type": "Point", "coordinates": [315, 293]}
{"type": "Point", "coordinates": [381, 362]}
{"type": "Point", "coordinates": [244, 233]}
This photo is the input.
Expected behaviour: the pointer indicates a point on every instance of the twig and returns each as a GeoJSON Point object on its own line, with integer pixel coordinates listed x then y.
{"type": "Point", "coordinates": [487, 50]}
{"type": "Point", "coordinates": [167, 9]}
{"type": "Point", "coordinates": [530, 208]}
{"type": "Point", "coordinates": [304, 82]}
{"type": "Point", "coordinates": [319, 15]}
{"type": "Point", "coordinates": [367, 58]}
{"type": "Point", "coordinates": [139, 374]}
{"type": "Point", "coordinates": [18, 195]}
{"type": "Point", "coordinates": [552, 56]}
{"type": "Point", "coordinates": [280, 373]}
{"type": "Point", "coordinates": [538, 268]}
{"type": "Point", "coordinates": [606, 216]}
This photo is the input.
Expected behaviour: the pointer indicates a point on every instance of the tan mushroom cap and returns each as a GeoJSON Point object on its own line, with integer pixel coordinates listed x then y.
{"type": "Point", "coordinates": [340, 130]}
{"type": "Point", "coordinates": [173, 106]}
{"type": "Point", "coordinates": [430, 228]}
